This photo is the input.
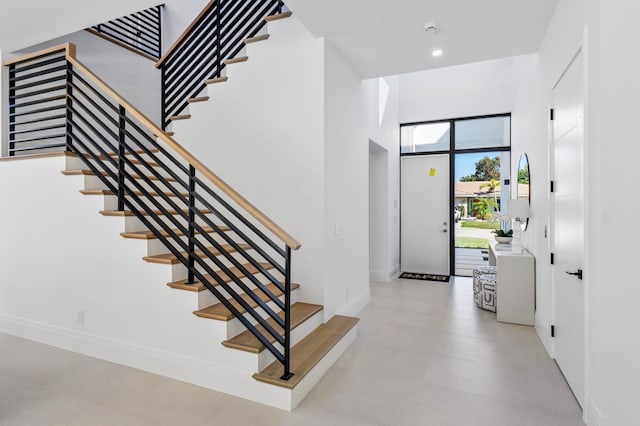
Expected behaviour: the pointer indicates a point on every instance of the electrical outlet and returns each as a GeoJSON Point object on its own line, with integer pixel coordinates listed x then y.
{"type": "Point", "coordinates": [337, 228]}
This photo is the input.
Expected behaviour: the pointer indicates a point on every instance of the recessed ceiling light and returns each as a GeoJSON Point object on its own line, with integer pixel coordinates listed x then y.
{"type": "Point", "coordinates": [437, 52]}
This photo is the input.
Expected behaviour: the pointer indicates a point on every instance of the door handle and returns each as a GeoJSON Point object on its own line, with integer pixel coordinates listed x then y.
{"type": "Point", "coordinates": [577, 274]}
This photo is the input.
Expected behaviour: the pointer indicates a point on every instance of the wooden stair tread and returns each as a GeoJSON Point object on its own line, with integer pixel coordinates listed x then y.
{"type": "Point", "coordinates": [198, 286]}
{"type": "Point", "coordinates": [138, 193]}
{"type": "Point", "coordinates": [236, 60]}
{"type": "Point", "coordinates": [148, 235]}
{"type": "Point", "coordinates": [221, 313]}
{"type": "Point", "coordinates": [169, 133]}
{"type": "Point", "coordinates": [180, 117]}
{"type": "Point", "coordinates": [308, 352]}
{"type": "Point", "coordinates": [124, 213]}
{"type": "Point", "coordinates": [246, 341]}
{"type": "Point", "coordinates": [84, 172]}
{"type": "Point", "coordinates": [256, 39]}
{"type": "Point", "coordinates": [198, 99]}
{"type": "Point", "coordinates": [171, 259]}
{"type": "Point", "coordinates": [216, 80]}
{"type": "Point", "coordinates": [282, 15]}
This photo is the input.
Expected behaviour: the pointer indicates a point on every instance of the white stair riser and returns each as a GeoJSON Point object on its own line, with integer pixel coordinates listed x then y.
{"type": "Point", "coordinates": [256, 362]}
{"type": "Point", "coordinates": [156, 246]}
{"type": "Point", "coordinates": [314, 376]}
{"type": "Point", "coordinates": [235, 327]}
{"type": "Point", "coordinates": [206, 298]}
{"type": "Point", "coordinates": [265, 358]}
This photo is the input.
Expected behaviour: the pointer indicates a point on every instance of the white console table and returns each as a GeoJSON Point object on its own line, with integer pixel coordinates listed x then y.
{"type": "Point", "coordinates": [515, 292]}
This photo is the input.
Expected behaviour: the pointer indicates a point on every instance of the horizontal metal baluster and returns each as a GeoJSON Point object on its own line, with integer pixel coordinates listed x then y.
{"type": "Point", "coordinates": [59, 58]}
{"type": "Point", "coordinates": [39, 73]}
{"type": "Point", "coordinates": [40, 101]}
{"type": "Point", "coordinates": [40, 91]}
{"type": "Point", "coordinates": [38, 129]}
{"type": "Point", "coordinates": [245, 239]}
{"type": "Point", "coordinates": [43, 119]}
{"type": "Point", "coordinates": [41, 82]}
{"type": "Point", "coordinates": [36, 111]}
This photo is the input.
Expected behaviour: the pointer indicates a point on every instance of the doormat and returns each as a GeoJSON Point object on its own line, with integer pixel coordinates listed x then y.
{"type": "Point", "coordinates": [426, 277]}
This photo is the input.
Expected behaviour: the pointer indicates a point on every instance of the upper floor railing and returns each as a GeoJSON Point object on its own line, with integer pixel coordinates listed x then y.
{"type": "Point", "coordinates": [199, 54]}
{"type": "Point", "coordinates": [219, 236]}
{"type": "Point", "coordinates": [140, 32]}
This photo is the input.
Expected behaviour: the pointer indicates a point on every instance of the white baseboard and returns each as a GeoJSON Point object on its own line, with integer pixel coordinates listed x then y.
{"type": "Point", "coordinates": [593, 417]}
{"type": "Point", "coordinates": [379, 276]}
{"type": "Point", "coordinates": [207, 374]}
{"type": "Point", "coordinates": [395, 271]}
{"type": "Point", "coordinates": [356, 304]}
{"type": "Point", "coordinates": [544, 333]}
{"type": "Point", "coordinates": [385, 276]}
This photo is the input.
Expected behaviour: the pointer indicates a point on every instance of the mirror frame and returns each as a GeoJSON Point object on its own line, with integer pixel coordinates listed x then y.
{"type": "Point", "coordinates": [523, 164]}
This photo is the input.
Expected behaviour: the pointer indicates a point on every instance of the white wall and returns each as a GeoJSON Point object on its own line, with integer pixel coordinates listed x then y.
{"type": "Point", "coordinates": [613, 381]}
{"type": "Point", "coordinates": [460, 91]}
{"type": "Point", "coordinates": [382, 104]}
{"type": "Point", "coordinates": [177, 15]}
{"type": "Point", "coordinates": [614, 314]}
{"type": "Point", "coordinates": [529, 129]}
{"type": "Point", "coordinates": [263, 133]}
{"type": "Point", "coordinates": [287, 130]}
{"type": "Point", "coordinates": [346, 165]}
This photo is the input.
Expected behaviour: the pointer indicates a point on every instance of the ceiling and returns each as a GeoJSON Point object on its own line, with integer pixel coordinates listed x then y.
{"type": "Point", "coordinates": [381, 38]}
{"type": "Point", "coordinates": [26, 22]}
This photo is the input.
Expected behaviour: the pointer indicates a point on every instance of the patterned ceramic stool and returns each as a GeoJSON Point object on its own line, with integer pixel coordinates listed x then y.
{"type": "Point", "coordinates": [487, 294]}
{"type": "Point", "coordinates": [478, 271]}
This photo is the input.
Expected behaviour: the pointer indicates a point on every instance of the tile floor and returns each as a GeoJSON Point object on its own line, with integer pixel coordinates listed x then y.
{"type": "Point", "coordinates": [425, 355]}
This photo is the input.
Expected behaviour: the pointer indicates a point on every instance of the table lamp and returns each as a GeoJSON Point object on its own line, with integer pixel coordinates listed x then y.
{"type": "Point", "coordinates": [518, 211]}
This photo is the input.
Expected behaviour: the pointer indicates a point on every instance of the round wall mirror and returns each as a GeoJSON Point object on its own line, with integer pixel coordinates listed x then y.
{"type": "Point", "coordinates": [524, 183]}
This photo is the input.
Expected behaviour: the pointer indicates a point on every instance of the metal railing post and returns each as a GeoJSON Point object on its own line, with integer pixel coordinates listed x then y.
{"type": "Point", "coordinates": [12, 108]}
{"type": "Point", "coordinates": [287, 316]}
{"type": "Point", "coordinates": [69, 127]}
{"type": "Point", "coordinates": [160, 36]}
{"type": "Point", "coordinates": [121, 153]}
{"type": "Point", "coordinates": [163, 96]}
{"type": "Point", "coordinates": [280, 6]}
{"type": "Point", "coordinates": [192, 218]}
{"type": "Point", "coordinates": [218, 24]}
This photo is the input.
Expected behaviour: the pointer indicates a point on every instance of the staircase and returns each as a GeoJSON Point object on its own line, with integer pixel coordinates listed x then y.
{"type": "Point", "coordinates": [221, 252]}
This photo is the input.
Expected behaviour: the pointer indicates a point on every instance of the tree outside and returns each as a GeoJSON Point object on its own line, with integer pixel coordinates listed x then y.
{"type": "Point", "coordinates": [483, 207]}
{"type": "Point", "coordinates": [487, 168]}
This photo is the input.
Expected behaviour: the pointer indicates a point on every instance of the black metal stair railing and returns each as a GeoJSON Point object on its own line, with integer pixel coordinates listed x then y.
{"type": "Point", "coordinates": [140, 32]}
{"type": "Point", "coordinates": [216, 35]}
{"type": "Point", "coordinates": [173, 195]}
{"type": "Point", "coordinates": [37, 104]}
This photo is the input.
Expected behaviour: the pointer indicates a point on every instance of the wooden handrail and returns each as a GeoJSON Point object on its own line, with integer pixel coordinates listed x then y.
{"type": "Point", "coordinates": [185, 33]}
{"type": "Point", "coordinates": [69, 48]}
{"type": "Point", "coordinates": [181, 151]}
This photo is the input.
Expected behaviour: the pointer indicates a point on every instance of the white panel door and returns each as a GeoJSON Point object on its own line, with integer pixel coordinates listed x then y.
{"type": "Point", "coordinates": [425, 214]}
{"type": "Point", "coordinates": [568, 229]}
